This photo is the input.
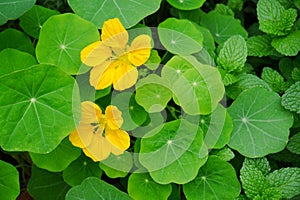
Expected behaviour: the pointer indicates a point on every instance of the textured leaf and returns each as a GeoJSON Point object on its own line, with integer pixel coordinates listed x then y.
{"type": "Point", "coordinates": [274, 18]}
{"type": "Point", "coordinates": [236, 5]}
{"type": "Point", "coordinates": [260, 164]}
{"type": "Point", "coordinates": [290, 100]}
{"type": "Point", "coordinates": [296, 74]}
{"type": "Point", "coordinates": [129, 12]}
{"type": "Point", "coordinates": [186, 4]}
{"type": "Point", "coordinates": [288, 45]}
{"type": "Point", "coordinates": [260, 45]}
{"type": "Point", "coordinates": [274, 79]}
{"type": "Point", "coordinates": [9, 181]}
{"type": "Point", "coordinates": [225, 153]}
{"type": "Point", "coordinates": [223, 10]}
{"type": "Point", "coordinates": [294, 144]}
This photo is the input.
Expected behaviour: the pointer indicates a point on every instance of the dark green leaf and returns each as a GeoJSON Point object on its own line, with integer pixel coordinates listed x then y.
{"type": "Point", "coordinates": [290, 100]}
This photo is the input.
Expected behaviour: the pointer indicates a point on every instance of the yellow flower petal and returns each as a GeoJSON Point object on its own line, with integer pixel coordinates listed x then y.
{"type": "Point", "coordinates": [113, 117]}
{"type": "Point", "coordinates": [119, 138]}
{"type": "Point", "coordinates": [90, 112]}
{"type": "Point", "coordinates": [95, 54]}
{"type": "Point", "coordinates": [75, 140]}
{"type": "Point", "coordinates": [101, 76]}
{"type": "Point", "coordinates": [140, 49]}
{"type": "Point", "coordinates": [125, 77]}
{"type": "Point", "coordinates": [114, 34]}
{"type": "Point", "coordinates": [99, 149]}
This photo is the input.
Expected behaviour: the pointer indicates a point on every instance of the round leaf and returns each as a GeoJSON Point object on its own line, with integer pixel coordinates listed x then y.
{"type": "Point", "coordinates": [263, 124]}
{"type": "Point", "coordinates": [180, 36]}
{"type": "Point", "coordinates": [9, 179]}
{"type": "Point", "coordinates": [61, 40]}
{"type": "Point", "coordinates": [186, 4]}
{"type": "Point", "coordinates": [39, 106]}
{"type": "Point", "coordinates": [215, 180]}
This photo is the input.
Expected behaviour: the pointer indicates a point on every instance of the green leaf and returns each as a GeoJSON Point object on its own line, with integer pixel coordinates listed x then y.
{"type": "Point", "coordinates": [39, 106]}
{"type": "Point", "coordinates": [236, 5]}
{"type": "Point", "coordinates": [294, 144]}
{"type": "Point", "coordinates": [286, 66]}
{"type": "Point", "coordinates": [290, 99]}
{"type": "Point", "coordinates": [264, 124]}
{"type": "Point", "coordinates": [223, 10]}
{"type": "Point", "coordinates": [80, 169]}
{"type": "Point", "coordinates": [93, 188]}
{"type": "Point", "coordinates": [225, 153]}
{"type": "Point", "coordinates": [186, 4]}
{"type": "Point", "coordinates": [180, 36]}
{"type": "Point", "coordinates": [32, 21]}
{"type": "Point", "coordinates": [274, 18]}
{"type": "Point", "coordinates": [287, 180]}
{"type": "Point", "coordinates": [129, 12]}
{"type": "Point", "coordinates": [269, 193]}
{"type": "Point", "coordinates": [141, 185]}
{"type": "Point", "coordinates": [233, 54]}
{"type": "Point", "coordinates": [261, 164]}
{"type": "Point", "coordinates": [12, 9]}
{"type": "Point", "coordinates": [288, 45]}
{"type": "Point", "coordinates": [70, 34]}
{"type": "Point", "coordinates": [12, 38]}
{"type": "Point", "coordinates": [274, 79]}
{"type": "Point", "coordinates": [117, 166]}
{"type": "Point", "coordinates": [9, 179]}
{"type": "Point", "coordinates": [172, 155]}
{"type": "Point", "coordinates": [58, 159]}
{"type": "Point", "coordinates": [152, 93]}
{"type": "Point", "coordinates": [260, 46]}
{"type": "Point", "coordinates": [45, 185]}
{"type": "Point", "coordinates": [215, 180]}
{"type": "Point", "coordinates": [153, 61]}
{"type": "Point", "coordinates": [192, 15]}
{"type": "Point", "coordinates": [296, 74]}
{"type": "Point", "coordinates": [222, 27]}
{"type": "Point", "coordinates": [208, 40]}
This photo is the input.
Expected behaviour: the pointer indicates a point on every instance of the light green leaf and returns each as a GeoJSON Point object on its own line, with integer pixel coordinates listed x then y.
{"type": "Point", "coordinates": [215, 180]}
{"type": "Point", "coordinates": [264, 124]}
{"type": "Point", "coordinates": [129, 12]}
{"type": "Point", "coordinates": [142, 185]}
{"type": "Point", "coordinates": [186, 4]}
{"type": "Point", "coordinates": [208, 40]}
{"type": "Point", "coordinates": [93, 188]}
{"type": "Point", "coordinates": [58, 159]}
{"type": "Point", "coordinates": [80, 169]}
{"type": "Point", "coordinates": [274, 18]}
{"type": "Point", "coordinates": [261, 164]}
{"type": "Point", "coordinates": [32, 21]}
{"type": "Point", "coordinates": [260, 46]}
{"type": "Point", "coordinates": [222, 27]}
{"type": "Point", "coordinates": [233, 54]}
{"type": "Point", "coordinates": [287, 180]}
{"type": "Point", "coordinates": [223, 10]}
{"type": "Point", "coordinates": [294, 144]}
{"type": "Point", "coordinates": [45, 185]}
{"type": "Point", "coordinates": [290, 99]}
{"type": "Point", "coordinates": [12, 9]}
{"type": "Point", "coordinates": [192, 15]}
{"type": "Point", "coordinates": [69, 35]}
{"type": "Point", "coordinates": [153, 61]}
{"type": "Point", "coordinates": [180, 36]}
{"type": "Point", "coordinates": [269, 193]}
{"type": "Point", "coordinates": [288, 45]}
{"type": "Point", "coordinates": [274, 79]}
{"type": "Point", "coordinates": [43, 108]}
{"type": "Point", "coordinates": [9, 179]}
{"type": "Point", "coordinates": [225, 153]}
{"type": "Point", "coordinates": [172, 155]}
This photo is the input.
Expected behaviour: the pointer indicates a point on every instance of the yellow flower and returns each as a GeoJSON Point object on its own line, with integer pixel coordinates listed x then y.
{"type": "Point", "coordinates": [113, 60]}
{"type": "Point", "coordinates": [99, 134]}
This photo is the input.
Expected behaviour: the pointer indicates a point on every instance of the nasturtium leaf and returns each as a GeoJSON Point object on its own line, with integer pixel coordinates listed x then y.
{"type": "Point", "coordinates": [222, 27]}
{"type": "Point", "coordinates": [80, 169]}
{"type": "Point", "coordinates": [274, 79]}
{"type": "Point", "coordinates": [153, 93]}
{"type": "Point", "coordinates": [186, 4]}
{"type": "Point", "coordinates": [192, 15]}
{"type": "Point", "coordinates": [232, 56]}
{"type": "Point", "coordinates": [290, 99]}
{"type": "Point", "coordinates": [12, 9]}
{"type": "Point", "coordinates": [12, 38]}
{"type": "Point", "coordinates": [154, 60]}
{"type": "Point", "coordinates": [288, 45]}
{"type": "Point", "coordinates": [58, 159]}
{"type": "Point", "coordinates": [260, 46]}
{"type": "Point", "coordinates": [225, 153]}
{"type": "Point", "coordinates": [294, 144]}
{"type": "Point", "coordinates": [173, 152]}
{"type": "Point", "coordinates": [129, 12]}
{"type": "Point", "coordinates": [274, 18]}
{"type": "Point", "coordinates": [32, 21]}
{"type": "Point", "coordinates": [264, 124]}
{"type": "Point", "coordinates": [199, 89]}
{"type": "Point", "coordinates": [61, 40]}
{"type": "Point", "coordinates": [141, 186]}
{"type": "Point", "coordinates": [180, 36]}
{"type": "Point", "coordinates": [215, 180]}
{"type": "Point", "coordinates": [39, 106]}
{"type": "Point", "coordinates": [93, 188]}
{"type": "Point", "coordinates": [9, 181]}
{"type": "Point", "coordinates": [208, 40]}
{"type": "Point", "coordinates": [45, 185]}
{"type": "Point", "coordinates": [205, 57]}
{"type": "Point", "coordinates": [117, 166]}
{"type": "Point", "coordinates": [287, 180]}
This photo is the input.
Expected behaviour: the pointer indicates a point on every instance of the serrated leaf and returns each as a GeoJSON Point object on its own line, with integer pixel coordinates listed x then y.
{"type": "Point", "coordinates": [274, 79]}
{"type": "Point", "coordinates": [223, 10]}
{"type": "Point", "coordinates": [288, 45]}
{"type": "Point", "coordinates": [261, 164]}
{"type": "Point", "coordinates": [236, 5]}
{"type": "Point", "coordinates": [294, 144]}
{"type": "Point", "coordinates": [260, 46]}
{"type": "Point", "coordinates": [225, 153]}
{"type": "Point", "coordinates": [272, 193]}
{"type": "Point", "coordinates": [274, 18]}
{"type": "Point", "coordinates": [287, 179]}
{"type": "Point", "coordinates": [186, 4]}
{"type": "Point", "coordinates": [290, 99]}
{"type": "Point", "coordinates": [9, 179]}
{"type": "Point", "coordinates": [296, 74]}
{"type": "Point", "coordinates": [233, 54]}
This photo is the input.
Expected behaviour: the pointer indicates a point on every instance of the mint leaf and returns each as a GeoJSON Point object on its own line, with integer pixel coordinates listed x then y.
{"type": "Point", "coordinates": [289, 45]}
{"type": "Point", "coordinates": [272, 193]}
{"type": "Point", "coordinates": [224, 10]}
{"type": "Point", "coordinates": [286, 66]}
{"type": "Point", "coordinates": [261, 164]}
{"type": "Point", "coordinates": [261, 46]}
{"type": "Point", "coordinates": [225, 153]}
{"type": "Point", "coordinates": [290, 100]}
{"type": "Point", "coordinates": [236, 5]}
{"type": "Point", "coordinates": [286, 179]}
{"type": "Point", "coordinates": [296, 74]}
{"type": "Point", "coordinates": [233, 54]}
{"type": "Point", "coordinates": [229, 79]}
{"type": "Point", "coordinates": [274, 18]}
{"type": "Point", "coordinates": [294, 144]}
{"type": "Point", "coordinates": [274, 79]}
